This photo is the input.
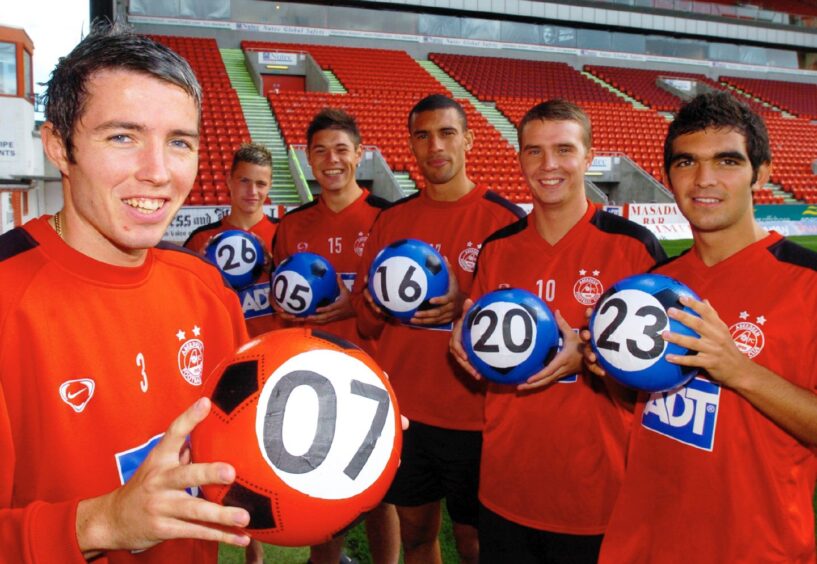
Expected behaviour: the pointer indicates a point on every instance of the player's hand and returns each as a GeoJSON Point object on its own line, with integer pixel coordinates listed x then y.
{"type": "Point", "coordinates": [370, 300]}
{"type": "Point", "coordinates": [717, 352]}
{"type": "Point", "coordinates": [591, 361]}
{"type": "Point", "coordinates": [455, 343]}
{"type": "Point", "coordinates": [566, 362]}
{"type": "Point", "coordinates": [284, 314]}
{"type": "Point", "coordinates": [447, 308]}
{"type": "Point", "coordinates": [341, 308]}
{"type": "Point", "coordinates": [153, 505]}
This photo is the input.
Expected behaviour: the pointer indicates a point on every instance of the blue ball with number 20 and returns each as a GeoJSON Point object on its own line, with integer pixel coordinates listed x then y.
{"type": "Point", "coordinates": [509, 335]}
{"type": "Point", "coordinates": [626, 328]}
{"type": "Point", "coordinates": [405, 275]}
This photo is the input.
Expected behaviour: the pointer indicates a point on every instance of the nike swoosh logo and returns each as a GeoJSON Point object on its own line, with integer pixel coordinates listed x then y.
{"type": "Point", "coordinates": [75, 394]}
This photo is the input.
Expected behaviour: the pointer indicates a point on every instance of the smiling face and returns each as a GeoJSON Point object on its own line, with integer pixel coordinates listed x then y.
{"type": "Point", "coordinates": [554, 159]}
{"type": "Point", "coordinates": [711, 177]}
{"type": "Point", "coordinates": [135, 160]}
{"type": "Point", "coordinates": [334, 157]}
{"type": "Point", "coordinates": [439, 143]}
{"type": "Point", "coordinates": [249, 185]}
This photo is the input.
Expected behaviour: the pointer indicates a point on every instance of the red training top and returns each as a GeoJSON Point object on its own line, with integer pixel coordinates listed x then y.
{"type": "Point", "coordinates": [710, 479]}
{"type": "Point", "coordinates": [569, 438]}
{"type": "Point", "coordinates": [429, 384]}
{"type": "Point", "coordinates": [95, 362]}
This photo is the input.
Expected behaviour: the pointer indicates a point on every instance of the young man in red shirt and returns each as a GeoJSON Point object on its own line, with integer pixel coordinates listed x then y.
{"type": "Point", "coordinates": [441, 448]}
{"type": "Point", "coordinates": [336, 225]}
{"type": "Point", "coordinates": [723, 469]}
{"type": "Point", "coordinates": [553, 448]}
{"type": "Point", "coordinates": [250, 181]}
{"type": "Point", "coordinates": [107, 337]}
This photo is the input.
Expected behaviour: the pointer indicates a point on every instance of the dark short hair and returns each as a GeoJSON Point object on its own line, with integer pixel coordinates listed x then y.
{"type": "Point", "coordinates": [253, 153]}
{"type": "Point", "coordinates": [333, 118]}
{"type": "Point", "coordinates": [558, 110]}
{"type": "Point", "coordinates": [721, 110]}
{"type": "Point", "coordinates": [109, 46]}
{"type": "Point", "coordinates": [437, 102]}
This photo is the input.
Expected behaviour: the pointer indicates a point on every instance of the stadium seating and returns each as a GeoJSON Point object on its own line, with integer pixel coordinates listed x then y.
{"type": "Point", "coordinates": [223, 127]}
{"type": "Point", "coordinates": [382, 87]}
{"type": "Point", "coordinates": [489, 78]}
{"type": "Point", "coordinates": [797, 98]}
{"type": "Point", "coordinates": [361, 70]}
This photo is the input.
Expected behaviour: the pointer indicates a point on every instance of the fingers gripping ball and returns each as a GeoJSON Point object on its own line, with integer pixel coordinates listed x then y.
{"type": "Point", "coordinates": [238, 254]}
{"type": "Point", "coordinates": [626, 328]}
{"type": "Point", "coordinates": [304, 282]}
{"type": "Point", "coordinates": [509, 335]}
{"type": "Point", "coordinates": [312, 428]}
{"type": "Point", "coordinates": [405, 275]}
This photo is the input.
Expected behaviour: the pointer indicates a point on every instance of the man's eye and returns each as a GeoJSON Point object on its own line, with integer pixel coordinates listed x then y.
{"type": "Point", "coordinates": [182, 143]}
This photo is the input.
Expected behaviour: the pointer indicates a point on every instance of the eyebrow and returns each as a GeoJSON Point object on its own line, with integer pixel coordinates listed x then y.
{"type": "Point", "coordinates": [132, 126]}
{"type": "Point", "coordinates": [735, 155]}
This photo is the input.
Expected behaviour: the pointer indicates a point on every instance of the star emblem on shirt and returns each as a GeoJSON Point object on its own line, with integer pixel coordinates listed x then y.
{"type": "Point", "coordinates": [582, 272]}
{"type": "Point", "coordinates": [180, 335]}
{"type": "Point", "coordinates": [196, 330]}
{"type": "Point", "coordinates": [596, 273]}
{"type": "Point", "coordinates": [761, 320]}
{"type": "Point", "coordinates": [744, 315]}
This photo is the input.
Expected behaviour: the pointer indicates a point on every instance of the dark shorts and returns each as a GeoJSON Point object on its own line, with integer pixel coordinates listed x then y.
{"type": "Point", "coordinates": [439, 463]}
{"type": "Point", "coordinates": [502, 541]}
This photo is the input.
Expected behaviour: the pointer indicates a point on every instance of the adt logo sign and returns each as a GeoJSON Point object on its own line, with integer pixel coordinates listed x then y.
{"type": "Point", "coordinates": [688, 415]}
{"type": "Point", "coordinates": [255, 300]}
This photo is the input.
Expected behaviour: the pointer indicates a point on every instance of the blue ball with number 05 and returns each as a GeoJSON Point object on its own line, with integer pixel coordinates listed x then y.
{"type": "Point", "coordinates": [304, 282]}
{"type": "Point", "coordinates": [626, 328]}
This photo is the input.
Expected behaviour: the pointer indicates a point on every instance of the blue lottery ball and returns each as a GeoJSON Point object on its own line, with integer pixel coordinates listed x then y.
{"type": "Point", "coordinates": [304, 282]}
{"type": "Point", "coordinates": [238, 254]}
{"type": "Point", "coordinates": [626, 328]}
{"type": "Point", "coordinates": [405, 275]}
{"type": "Point", "coordinates": [509, 335]}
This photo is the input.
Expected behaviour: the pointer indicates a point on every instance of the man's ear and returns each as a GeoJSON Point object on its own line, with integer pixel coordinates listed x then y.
{"type": "Point", "coordinates": [764, 171]}
{"type": "Point", "coordinates": [54, 147]}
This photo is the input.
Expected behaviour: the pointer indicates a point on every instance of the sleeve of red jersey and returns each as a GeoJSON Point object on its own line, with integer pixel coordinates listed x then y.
{"type": "Point", "coordinates": [368, 323]}
{"type": "Point", "coordinates": [39, 532]}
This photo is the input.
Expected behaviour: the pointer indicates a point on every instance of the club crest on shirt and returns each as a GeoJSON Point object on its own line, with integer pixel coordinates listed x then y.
{"type": "Point", "coordinates": [468, 257]}
{"type": "Point", "coordinates": [588, 289]}
{"type": "Point", "coordinates": [302, 246]}
{"type": "Point", "coordinates": [77, 393]}
{"type": "Point", "coordinates": [360, 243]}
{"type": "Point", "coordinates": [191, 356]}
{"type": "Point", "coordinates": [748, 336]}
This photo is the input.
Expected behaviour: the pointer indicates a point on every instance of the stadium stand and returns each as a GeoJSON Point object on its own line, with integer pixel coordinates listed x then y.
{"type": "Point", "coordinates": [797, 98]}
{"type": "Point", "coordinates": [382, 85]}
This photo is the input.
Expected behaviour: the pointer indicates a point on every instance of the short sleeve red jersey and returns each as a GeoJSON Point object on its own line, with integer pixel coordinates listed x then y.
{"type": "Point", "coordinates": [709, 478]}
{"type": "Point", "coordinates": [95, 363]}
{"type": "Point", "coordinates": [430, 386]}
{"type": "Point", "coordinates": [254, 299]}
{"type": "Point", "coordinates": [569, 437]}
{"type": "Point", "coordinates": [339, 237]}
